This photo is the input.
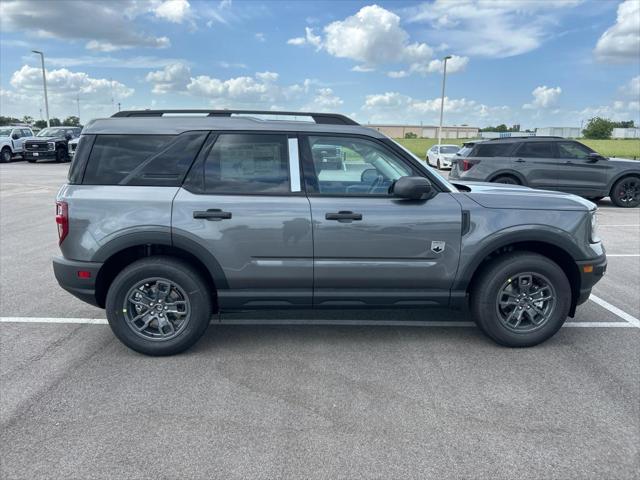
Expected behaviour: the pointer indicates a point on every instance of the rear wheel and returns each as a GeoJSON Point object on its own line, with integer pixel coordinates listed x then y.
{"type": "Point", "coordinates": [5, 155]}
{"type": "Point", "coordinates": [520, 299]}
{"type": "Point", "coordinates": [595, 199]}
{"type": "Point", "coordinates": [159, 306]}
{"type": "Point", "coordinates": [626, 192]}
{"type": "Point", "coordinates": [508, 179]}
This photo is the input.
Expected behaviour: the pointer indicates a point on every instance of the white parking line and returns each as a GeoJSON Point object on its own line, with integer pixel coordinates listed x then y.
{"type": "Point", "coordinates": [383, 323]}
{"type": "Point", "coordinates": [616, 311]}
{"type": "Point", "coordinates": [610, 225]}
{"type": "Point", "coordinates": [623, 255]}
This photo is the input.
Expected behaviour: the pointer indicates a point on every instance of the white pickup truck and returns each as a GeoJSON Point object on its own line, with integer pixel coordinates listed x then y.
{"type": "Point", "coordinates": [12, 141]}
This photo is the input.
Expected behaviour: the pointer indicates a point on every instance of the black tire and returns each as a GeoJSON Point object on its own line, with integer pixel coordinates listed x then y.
{"type": "Point", "coordinates": [439, 165]}
{"type": "Point", "coordinates": [625, 192]}
{"type": "Point", "coordinates": [61, 155]}
{"type": "Point", "coordinates": [595, 199]}
{"type": "Point", "coordinates": [508, 179]}
{"type": "Point", "coordinates": [176, 271]}
{"type": "Point", "coordinates": [5, 155]}
{"type": "Point", "coordinates": [31, 160]}
{"type": "Point", "coordinates": [500, 273]}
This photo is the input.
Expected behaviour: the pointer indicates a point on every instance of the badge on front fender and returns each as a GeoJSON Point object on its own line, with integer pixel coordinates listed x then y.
{"type": "Point", "coordinates": [437, 246]}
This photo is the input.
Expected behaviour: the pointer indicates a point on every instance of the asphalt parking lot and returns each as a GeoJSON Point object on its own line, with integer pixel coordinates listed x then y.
{"type": "Point", "coordinates": [266, 396]}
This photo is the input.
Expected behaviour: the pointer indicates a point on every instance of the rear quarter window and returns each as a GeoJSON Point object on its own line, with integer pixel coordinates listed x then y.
{"type": "Point", "coordinates": [144, 160]}
{"type": "Point", "coordinates": [493, 150]}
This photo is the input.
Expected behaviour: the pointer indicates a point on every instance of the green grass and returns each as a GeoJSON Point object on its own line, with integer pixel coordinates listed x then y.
{"type": "Point", "coordinates": [609, 148]}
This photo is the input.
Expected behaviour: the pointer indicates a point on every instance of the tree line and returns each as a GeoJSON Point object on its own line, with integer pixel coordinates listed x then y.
{"type": "Point", "coordinates": [72, 121]}
{"type": "Point", "coordinates": [601, 128]}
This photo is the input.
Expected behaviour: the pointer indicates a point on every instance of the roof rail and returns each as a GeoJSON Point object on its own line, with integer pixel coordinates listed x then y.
{"type": "Point", "coordinates": [522, 136]}
{"type": "Point", "coordinates": [320, 118]}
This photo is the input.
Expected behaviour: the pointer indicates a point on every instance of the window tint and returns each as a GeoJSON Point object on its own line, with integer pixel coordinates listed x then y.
{"type": "Point", "coordinates": [26, 133]}
{"type": "Point", "coordinates": [572, 150]}
{"type": "Point", "coordinates": [449, 149]}
{"type": "Point", "coordinates": [247, 163]}
{"type": "Point", "coordinates": [493, 149]}
{"type": "Point", "coordinates": [536, 150]}
{"type": "Point", "coordinates": [159, 160]}
{"type": "Point", "coordinates": [354, 166]}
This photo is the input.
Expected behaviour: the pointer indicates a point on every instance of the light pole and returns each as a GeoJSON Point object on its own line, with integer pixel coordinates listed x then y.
{"type": "Point", "coordinates": [444, 79]}
{"type": "Point", "coordinates": [44, 81]}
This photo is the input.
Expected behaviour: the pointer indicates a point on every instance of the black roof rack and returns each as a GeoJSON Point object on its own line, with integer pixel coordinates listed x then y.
{"type": "Point", "coordinates": [320, 118]}
{"type": "Point", "coordinates": [520, 137]}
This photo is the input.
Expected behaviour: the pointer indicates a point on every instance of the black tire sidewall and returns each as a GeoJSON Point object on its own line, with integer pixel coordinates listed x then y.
{"type": "Point", "coordinates": [176, 271]}
{"type": "Point", "coordinates": [2, 154]}
{"type": "Point", "coordinates": [614, 193]}
{"type": "Point", "coordinates": [493, 277]}
{"type": "Point", "coordinates": [500, 179]}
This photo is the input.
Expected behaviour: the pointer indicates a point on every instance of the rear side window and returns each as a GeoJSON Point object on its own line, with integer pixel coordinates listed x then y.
{"type": "Point", "coordinates": [536, 150]}
{"type": "Point", "coordinates": [493, 150]}
{"type": "Point", "coordinates": [145, 160]}
{"type": "Point", "coordinates": [247, 163]}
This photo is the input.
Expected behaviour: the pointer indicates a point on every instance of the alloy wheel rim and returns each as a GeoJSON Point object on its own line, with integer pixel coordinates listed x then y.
{"type": "Point", "coordinates": [157, 309]}
{"type": "Point", "coordinates": [629, 191]}
{"type": "Point", "coordinates": [525, 302]}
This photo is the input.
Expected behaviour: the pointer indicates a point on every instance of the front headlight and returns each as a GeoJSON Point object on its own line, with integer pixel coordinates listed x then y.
{"type": "Point", "coordinates": [593, 236]}
{"type": "Point", "coordinates": [51, 145]}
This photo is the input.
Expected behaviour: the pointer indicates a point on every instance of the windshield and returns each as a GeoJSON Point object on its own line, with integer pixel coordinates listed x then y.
{"type": "Point", "coordinates": [5, 132]}
{"type": "Point", "coordinates": [433, 172]}
{"type": "Point", "coordinates": [449, 148]}
{"type": "Point", "coordinates": [57, 132]}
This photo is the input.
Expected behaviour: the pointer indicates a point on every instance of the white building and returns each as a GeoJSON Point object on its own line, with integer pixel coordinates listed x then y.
{"type": "Point", "coordinates": [626, 133]}
{"type": "Point", "coordinates": [566, 132]}
{"type": "Point", "coordinates": [506, 134]}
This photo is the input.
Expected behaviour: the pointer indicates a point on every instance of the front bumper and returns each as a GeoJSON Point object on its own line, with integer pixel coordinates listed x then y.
{"type": "Point", "coordinates": [68, 276]}
{"type": "Point", "coordinates": [42, 155]}
{"type": "Point", "coordinates": [591, 272]}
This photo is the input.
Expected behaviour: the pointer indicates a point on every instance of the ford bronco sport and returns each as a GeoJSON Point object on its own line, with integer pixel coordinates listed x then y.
{"type": "Point", "coordinates": [168, 219]}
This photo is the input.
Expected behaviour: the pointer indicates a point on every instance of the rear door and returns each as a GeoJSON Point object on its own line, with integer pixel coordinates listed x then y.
{"type": "Point", "coordinates": [369, 247]}
{"type": "Point", "coordinates": [578, 173]}
{"type": "Point", "coordinates": [537, 163]}
{"type": "Point", "coordinates": [243, 203]}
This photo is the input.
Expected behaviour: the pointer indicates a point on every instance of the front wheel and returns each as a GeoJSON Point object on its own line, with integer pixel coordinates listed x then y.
{"type": "Point", "coordinates": [509, 180]}
{"type": "Point", "coordinates": [626, 192]}
{"type": "Point", "coordinates": [5, 155]}
{"type": "Point", "coordinates": [520, 299]}
{"type": "Point", "coordinates": [61, 155]}
{"type": "Point", "coordinates": [159, 306]}
{"type": "Point", "coordinates": [439, 165]}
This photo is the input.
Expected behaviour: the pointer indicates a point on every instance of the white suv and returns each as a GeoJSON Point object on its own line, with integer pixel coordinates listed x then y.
{"type": "Point", "coordinates": [12, 141]}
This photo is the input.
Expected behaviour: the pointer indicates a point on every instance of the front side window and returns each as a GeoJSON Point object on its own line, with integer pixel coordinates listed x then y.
{"type": "Point", "coordinates": [536, 150]}
{"type": "Point", "coordinates": [241, 163]}
{"type": "Point", "coordinates": [449, 149]}
{"type": "Point", "coordinates": [353, 166]}
{"type": "Point", "coordinates": [572, 150]}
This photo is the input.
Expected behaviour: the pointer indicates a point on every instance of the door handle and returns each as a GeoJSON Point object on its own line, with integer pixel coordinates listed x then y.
{"type": "Point", "coordinates": [520, 161]}
{"type": "Point", "coordinates": [343, 216]}
{"type": "Point", "coordinates": [214, 214]}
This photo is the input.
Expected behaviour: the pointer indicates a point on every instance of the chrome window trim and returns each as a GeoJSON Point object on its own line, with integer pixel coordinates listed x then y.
{"type": "Point", "coordinates": [294, 165]}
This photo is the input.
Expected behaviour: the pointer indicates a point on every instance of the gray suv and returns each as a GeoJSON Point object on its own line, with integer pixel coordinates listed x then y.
{"type": "Point", "coordinates": [550, 163]}
{"type": "Point", "coordinates": [166, 220]}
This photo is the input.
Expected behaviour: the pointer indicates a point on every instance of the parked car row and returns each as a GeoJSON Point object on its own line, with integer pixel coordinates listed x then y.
{"type": "Point", "coordinates": [49, 144]}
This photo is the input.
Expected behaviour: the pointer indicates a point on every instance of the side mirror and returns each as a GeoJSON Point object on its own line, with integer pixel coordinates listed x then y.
{"type": "Point", "coordinates": [15, 136]}
{"type": "Point", "coordinates": [594, 157]}
{"type": "Point", "coordinates": [412, 188]}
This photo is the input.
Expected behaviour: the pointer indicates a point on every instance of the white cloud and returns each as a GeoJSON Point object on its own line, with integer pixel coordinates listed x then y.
{"type": "Point", "coordinates": [173, 77]}
{"type": "Point", "coordinates": [374, 37]}
{"type": "Point", "coordinates": [397, 107]}
{"type": "Point", "coordinates": [621, 42]}
{"type": "Point", "coordinates": [543, 97]}
{"type": "Point", "coordinates": [325, 100]}
{"type": "Point", "coordinates": [174, 11]}
{"type": "Point", "coordinates": [491, 28]}
{"type": "Point", "coordinates": [309, 38]}
{"type": "Point", "coordinates": [632, 88]}
{"type": "Point", "coordinates": [259, 36]}
{"type": "Point", "coordinates": [105, 26]}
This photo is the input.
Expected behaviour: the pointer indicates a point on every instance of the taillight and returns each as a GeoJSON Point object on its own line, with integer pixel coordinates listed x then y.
{"type": "Point", "coordinates": [62, 220]}
{"type": "Point", "coordinates": [468, 164]}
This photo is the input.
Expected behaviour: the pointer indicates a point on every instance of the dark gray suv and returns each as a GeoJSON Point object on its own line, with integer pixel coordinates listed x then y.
{"type": "Point", "coordinates": [166, 220]}
{"type": "Point", "coordinates": [550, 163]}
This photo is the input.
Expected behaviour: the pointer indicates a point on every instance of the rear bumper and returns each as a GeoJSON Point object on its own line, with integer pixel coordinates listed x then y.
{"type": "Point", "coordinates": [589, 278]}
{"type": "Point", "coordinates": [66, 272]}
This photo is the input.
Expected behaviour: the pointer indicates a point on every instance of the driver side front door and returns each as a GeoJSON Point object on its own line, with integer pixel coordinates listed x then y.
{"type": "Point", "coordinates": [371, 248]}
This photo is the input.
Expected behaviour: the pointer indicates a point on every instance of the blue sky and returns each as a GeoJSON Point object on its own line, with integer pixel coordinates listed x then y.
{"type": "Point", "coordinates": [534, 62]}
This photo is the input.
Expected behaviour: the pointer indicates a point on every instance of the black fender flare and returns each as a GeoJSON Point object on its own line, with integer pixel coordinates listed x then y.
{"type": "Point", "coordinates": [626, 173]}
{"type": "Point", "coordinates": [519, 234]}
{"type": "Point", "coordinates": [160, 235]}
